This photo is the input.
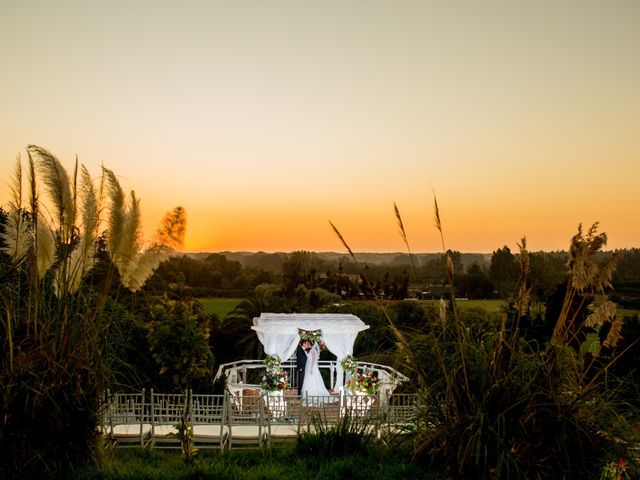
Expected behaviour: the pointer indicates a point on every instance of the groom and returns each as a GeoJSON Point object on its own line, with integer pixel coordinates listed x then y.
{"type": "Point", "coordinates": [301, 361]}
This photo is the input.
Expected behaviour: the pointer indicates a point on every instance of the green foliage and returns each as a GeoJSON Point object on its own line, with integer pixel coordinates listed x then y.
{"type": "Point", "coordinates": [350, 435]}
{"type": "Point", "coordinates": [179, 342]}
{"type": "Point", "coordinates": [178, 339]}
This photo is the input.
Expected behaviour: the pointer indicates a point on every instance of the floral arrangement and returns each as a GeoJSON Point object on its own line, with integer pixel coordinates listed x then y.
{"type": "Point", "coordinates": [272, 361]}
{"type": "Point", "coordinates": [275, 377]}
{"type": "Point", "coordinates": [615, 471]}
{"type": "Point", "coordinates": [312, 336]}
{"type": "Point", "coordinates": [365, 382]}
{"type": "Point", "coordinates": [349, 364]}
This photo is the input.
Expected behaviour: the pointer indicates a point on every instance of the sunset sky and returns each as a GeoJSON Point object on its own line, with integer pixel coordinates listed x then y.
{"type": "Point", "coordinates": [267, 119]}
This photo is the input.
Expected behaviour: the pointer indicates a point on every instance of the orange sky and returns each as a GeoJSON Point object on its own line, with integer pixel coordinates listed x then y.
{"type": "Point", "coordinates": [265, 120]}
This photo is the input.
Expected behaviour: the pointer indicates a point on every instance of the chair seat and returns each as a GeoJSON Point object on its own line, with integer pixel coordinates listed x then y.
{"type": "Point", "coordinates": [246, 431]}
{"type": "Point", "coordinates": [209, 431]}
{"type": "Point", "coordinates": [130, 430]}
{"type": "Point", "coordinates": [164, 430]}
{"type": "Point", "coordinates": [280, 431]}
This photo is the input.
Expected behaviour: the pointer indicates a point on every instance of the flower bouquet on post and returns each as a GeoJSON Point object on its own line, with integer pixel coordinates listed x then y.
{"type": "Point", "coordinates": [275, 378]}
{"type": "Point", "coordinates": [349, 366]}
{"type": "Point", "coordinates": [365, 383]}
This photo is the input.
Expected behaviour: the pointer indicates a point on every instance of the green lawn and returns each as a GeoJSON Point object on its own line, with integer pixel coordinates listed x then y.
{"type": "Point", "coordinates": [222, 306]}
{"type": "Point", "coordinates": [266, 464]}
{"type": "Point", "coordinates": [488, 305]}
{"type": "Point", "coordinates": [219, 306]}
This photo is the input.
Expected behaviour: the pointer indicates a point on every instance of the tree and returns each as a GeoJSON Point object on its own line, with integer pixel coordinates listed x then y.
{"type": "Point", "coordinates": [547, 271]}
{"type": "Point", "coordinates": [475, 283]}
{"type": "Point", "coordinates": [179, 343]}
{"type": "Point", "coordinates": [504, 271]}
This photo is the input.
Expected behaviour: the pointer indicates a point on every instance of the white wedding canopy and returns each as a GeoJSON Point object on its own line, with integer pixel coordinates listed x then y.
{"type": "Point", "coordinates": [278, 333]}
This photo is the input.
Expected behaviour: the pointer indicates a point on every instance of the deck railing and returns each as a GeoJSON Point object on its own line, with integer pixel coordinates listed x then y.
{"type": "Point", "coordinates": [247, 374]}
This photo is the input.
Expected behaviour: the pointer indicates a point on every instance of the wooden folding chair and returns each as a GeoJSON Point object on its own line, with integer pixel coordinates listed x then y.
{"type": "Point", "coordinates": [245, 414]}
{"type": "Point", "coordinates": [401, 414]}
{"type": "Point", "coordinates": [208, 416]}
{"type": "Point", "coordinates": [127, 420]}
{"type": "Point", "coordinates": [167, 410]}
{"type": "Point", "coordinates": [283, 416]}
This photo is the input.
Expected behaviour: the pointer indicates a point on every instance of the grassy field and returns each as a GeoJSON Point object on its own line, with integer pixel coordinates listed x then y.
{"type": "Point", "coordinates": [220, 306]}
{"type": "Point", "coordinates": [267, 464]}
{"type": "Point", "coordinates": [488, 305]}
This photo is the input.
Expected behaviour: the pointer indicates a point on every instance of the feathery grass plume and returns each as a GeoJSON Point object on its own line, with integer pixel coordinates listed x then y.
{"type": "Point", "coordinates": [45, 247]}
{"type": "Point", "coordinates": [605, 311]}
{"type": "Point", "coordinates": [90, 219]}
{"type": "Point", "coordinates": [437, 219]}
{"type": "Point", "coordinates": [442, 311]}
{"type": "Point", "coordinates": [337, 232]}
{"type": "Point", "coordinates": [83, 256]}
{"type": "Point", "coordinates": [169, 238]}
{"type": "Point", "coordinates": [614, 336]}
{"type": "Point", "coordinates": [403, 234]}
{"type": "Point", "coordinates": [172, 229]}
{"type": "Point", "coordinates": [16, 235]}
{"type": "Point", "coordinates": [15, 185]}
{"type": "Point", "coordinates": [586, 276]}
{"type": "Point", "coordinates": [34, 202]}
{"type": "Point", "coordinates": [522, 295]}
{"type": "Point", "coordinates": [117, 214]}
{"type": "Point", "coordinates": [141, 268]}
{"type": "Point", "coordinates": [131, 234]}
{"type": "Point", "coordinates": [57, 181]}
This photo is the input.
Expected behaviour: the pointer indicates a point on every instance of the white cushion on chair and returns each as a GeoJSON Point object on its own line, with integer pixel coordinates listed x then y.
{"type": "Point", "coordinates": [131, 430]}
{"type": "Point", "coordinates": [164, 430]}
{"type": "Point", "coordinates": [246, 431]}
{"type": "Point", "coordinates": [209, 431]}
{"type": "Point", "coordinates": [284, 431]}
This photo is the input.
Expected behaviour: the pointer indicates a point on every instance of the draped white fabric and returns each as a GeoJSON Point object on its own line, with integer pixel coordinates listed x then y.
{"type": "Point", "coordinates": [341, 345]}
{"type": "Point", "coordinates": [278, 333]}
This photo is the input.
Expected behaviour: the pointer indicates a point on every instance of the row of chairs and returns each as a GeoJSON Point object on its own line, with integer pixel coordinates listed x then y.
{"type": "Point", "coordinates": [244, 418]}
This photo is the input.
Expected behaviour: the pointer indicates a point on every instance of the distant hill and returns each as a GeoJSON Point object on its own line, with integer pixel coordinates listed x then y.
{"type": "Point", "coordinates": [390, 258]}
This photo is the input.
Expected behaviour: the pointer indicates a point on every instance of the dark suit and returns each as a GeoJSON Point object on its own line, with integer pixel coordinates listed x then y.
{"type": "Point", "coordinates": [301, 362]}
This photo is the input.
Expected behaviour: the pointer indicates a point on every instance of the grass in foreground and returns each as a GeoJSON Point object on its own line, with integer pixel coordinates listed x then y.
{"type": "Point", "coordinates": [275, 463]}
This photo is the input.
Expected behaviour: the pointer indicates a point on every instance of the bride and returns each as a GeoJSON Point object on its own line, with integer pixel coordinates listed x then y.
{"type": "Point", "coordinates": [313, 385]}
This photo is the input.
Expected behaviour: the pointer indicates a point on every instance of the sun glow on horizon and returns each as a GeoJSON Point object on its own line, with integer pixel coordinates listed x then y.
{"type": "Point", "coordinates": [266, 121]}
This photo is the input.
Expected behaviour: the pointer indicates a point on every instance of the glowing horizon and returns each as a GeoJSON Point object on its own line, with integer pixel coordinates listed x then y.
{"type": "Point", "coordinates": [266, 121]}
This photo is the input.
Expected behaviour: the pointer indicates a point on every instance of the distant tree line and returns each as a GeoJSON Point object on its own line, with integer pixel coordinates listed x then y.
{"type": "Point", "coordinates": [475, 276]}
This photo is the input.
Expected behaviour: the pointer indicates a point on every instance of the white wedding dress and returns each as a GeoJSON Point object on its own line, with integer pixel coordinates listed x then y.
{"type": "Point", "coordinates": [313, 385]}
